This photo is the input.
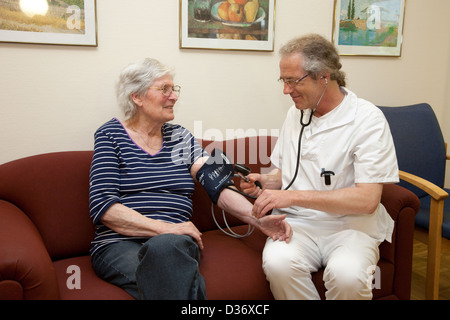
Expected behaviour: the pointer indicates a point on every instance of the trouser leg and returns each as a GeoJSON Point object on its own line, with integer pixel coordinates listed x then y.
{"type": "Point", "coordinates": [164, 267]}
{"type": "Point", "coordinates": [350, 257]}
{"type": "Point", "coordinates": [117, 263]}
{"type": "Point", "coordinates": [288, 267]}
{"type": "Point", "coordinates": [169, 269]}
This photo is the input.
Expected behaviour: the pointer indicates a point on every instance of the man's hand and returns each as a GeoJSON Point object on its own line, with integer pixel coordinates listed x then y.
{"type": "Point", "coordinates": [271, 199]}
{"type": "Point", "coordinates": [250, 187]}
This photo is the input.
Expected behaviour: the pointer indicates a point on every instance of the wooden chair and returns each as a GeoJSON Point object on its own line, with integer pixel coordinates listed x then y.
{"type": "Point", "coordinates": [421, 154]}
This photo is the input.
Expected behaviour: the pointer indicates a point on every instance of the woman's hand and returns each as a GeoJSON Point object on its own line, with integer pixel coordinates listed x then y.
{"type": "Point", "coordinates": [276, 227]}
{"type": "Point", "coordinates": [185, 228]}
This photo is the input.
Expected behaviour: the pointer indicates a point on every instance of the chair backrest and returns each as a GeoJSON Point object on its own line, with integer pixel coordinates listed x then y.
{"type": "Point", "coordinates": [419, 143]}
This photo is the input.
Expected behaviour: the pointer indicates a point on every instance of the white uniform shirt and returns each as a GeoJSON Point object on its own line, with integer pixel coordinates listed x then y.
{"type": "Point", "coordinates": [354, 141]}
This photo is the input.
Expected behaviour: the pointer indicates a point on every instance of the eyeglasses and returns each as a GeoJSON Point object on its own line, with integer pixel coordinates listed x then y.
{"type": "Point", "coordinates": [292, 83]}
{"type": "Point", "coordinates": [167, 90]}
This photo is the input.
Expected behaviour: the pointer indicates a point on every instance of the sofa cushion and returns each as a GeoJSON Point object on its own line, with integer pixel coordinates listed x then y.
{"type": "Point", "coordinates": [91, 286]}
{"type": "Point", "coordinates": [232, 267]}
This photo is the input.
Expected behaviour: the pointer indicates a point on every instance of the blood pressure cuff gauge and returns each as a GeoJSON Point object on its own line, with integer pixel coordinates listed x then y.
{"type": "Point", "coordinates": [215, 175]}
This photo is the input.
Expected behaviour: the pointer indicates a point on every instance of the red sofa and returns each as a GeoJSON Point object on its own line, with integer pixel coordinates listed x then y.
{"type": "Point", "coordinates": [45, 233]}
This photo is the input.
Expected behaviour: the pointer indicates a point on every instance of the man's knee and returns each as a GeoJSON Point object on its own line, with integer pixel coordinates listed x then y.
{"type": "Point", "coordinates": [347, 278]}
{"type": "Point", "coordinates": [283, 264]}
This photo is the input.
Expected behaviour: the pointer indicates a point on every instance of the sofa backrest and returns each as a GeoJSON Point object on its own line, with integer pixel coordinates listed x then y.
{"type": "Point", "coordinates": [53, 190]}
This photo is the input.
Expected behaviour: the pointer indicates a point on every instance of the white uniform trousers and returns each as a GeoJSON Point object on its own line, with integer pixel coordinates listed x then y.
{"type": "Point", "coordinates": [349, 257]}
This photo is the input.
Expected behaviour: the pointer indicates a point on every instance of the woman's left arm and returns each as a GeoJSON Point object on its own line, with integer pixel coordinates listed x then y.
{"type": "Point", "coordinates": [274, 226]}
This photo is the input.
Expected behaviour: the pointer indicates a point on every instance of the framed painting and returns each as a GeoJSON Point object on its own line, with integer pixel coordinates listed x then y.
{"type": "Point", "coordinates": [227, 25]}
{"type": "Point", "coordinates": [63, 22]}
{"type": "Point", "coordinates": [369, 27]}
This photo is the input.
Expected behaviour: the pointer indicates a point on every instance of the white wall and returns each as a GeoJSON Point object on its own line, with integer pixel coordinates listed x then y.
{"type": "Point", "coordinates": [52, 98]}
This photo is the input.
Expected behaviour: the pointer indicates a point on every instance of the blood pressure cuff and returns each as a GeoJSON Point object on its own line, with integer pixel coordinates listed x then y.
{"type": "Point", "coordinates": [216, 174]}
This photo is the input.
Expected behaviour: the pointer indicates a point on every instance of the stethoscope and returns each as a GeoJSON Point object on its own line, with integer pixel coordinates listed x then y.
{"type": "Point", "coordinates": [304, 125]}
{"type": "Point", "coordinates": [242, 171]}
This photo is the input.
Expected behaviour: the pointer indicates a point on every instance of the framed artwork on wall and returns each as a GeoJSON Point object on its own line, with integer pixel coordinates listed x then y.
{"type": "Point", "coordinates": [369, 27]}
{"type": "Point", "coordinates": [62, 22]}
{"type": "Point", "coordinates": [227, 25]}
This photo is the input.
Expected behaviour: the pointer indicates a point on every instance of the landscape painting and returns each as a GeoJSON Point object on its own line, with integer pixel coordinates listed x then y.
{"type": "Point", "coordinates": [369, 27]}
{"type": "Point", "coordinates": [69, 22]}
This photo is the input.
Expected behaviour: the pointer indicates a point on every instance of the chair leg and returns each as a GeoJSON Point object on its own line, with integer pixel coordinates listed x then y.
{"type": "Point", "coordinates": [434, 250]}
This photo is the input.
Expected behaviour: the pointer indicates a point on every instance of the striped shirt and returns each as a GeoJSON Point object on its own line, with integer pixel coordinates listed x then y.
{"type": "Point", "coordinates": [158, 186]}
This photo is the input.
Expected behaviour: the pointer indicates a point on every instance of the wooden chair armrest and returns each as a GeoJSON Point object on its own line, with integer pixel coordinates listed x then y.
{"type": "Point", "coordinates": [438, 195]}
{"type": "Point", "coordinates": [433, 190]}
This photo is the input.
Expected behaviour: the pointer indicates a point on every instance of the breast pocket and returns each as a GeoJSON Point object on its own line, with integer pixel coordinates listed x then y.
{"type": "Point", "coordinates": [337, 178]}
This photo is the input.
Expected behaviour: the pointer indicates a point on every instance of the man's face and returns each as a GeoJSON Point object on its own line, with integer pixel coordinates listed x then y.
{"type": "Point", "coordinates": [306, 92]}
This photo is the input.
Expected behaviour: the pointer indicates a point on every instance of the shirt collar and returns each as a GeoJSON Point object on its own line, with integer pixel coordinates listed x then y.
{"type": "Point", "coordinates": [342, 115]}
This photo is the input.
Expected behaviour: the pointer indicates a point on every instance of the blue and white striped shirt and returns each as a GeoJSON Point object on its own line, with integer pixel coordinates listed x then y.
{"type": "Point", "coordinates": [158, 186]}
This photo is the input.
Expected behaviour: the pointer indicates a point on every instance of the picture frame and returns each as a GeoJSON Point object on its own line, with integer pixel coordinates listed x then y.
{"type": "Point", "coordinates": [62, 22]}
{"type": "Point", "coordinates": [208, 27]}
{"type": "Point", "coordinates": [369, 27]}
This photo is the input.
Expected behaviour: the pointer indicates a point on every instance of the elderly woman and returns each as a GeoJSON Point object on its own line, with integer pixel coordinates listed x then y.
{"type": "Point", "coordinates": [141, 183]}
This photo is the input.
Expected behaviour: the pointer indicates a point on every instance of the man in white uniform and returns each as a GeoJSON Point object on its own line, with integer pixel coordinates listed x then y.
{"type": "Point", "coordinates": [334, 184]}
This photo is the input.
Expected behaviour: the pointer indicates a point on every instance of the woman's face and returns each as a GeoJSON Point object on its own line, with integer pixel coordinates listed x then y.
{"type": "Point", "coordinates": [154, 104]}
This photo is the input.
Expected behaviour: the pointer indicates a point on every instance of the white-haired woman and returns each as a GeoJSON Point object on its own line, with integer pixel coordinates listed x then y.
{"type": "Point", "coordinates": [140, 193]}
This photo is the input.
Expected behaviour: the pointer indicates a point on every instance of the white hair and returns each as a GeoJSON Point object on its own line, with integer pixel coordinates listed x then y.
{"type": "Point", "coordinates": [136, 78]}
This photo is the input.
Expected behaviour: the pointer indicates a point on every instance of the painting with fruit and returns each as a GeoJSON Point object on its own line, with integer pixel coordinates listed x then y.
{"type": "Point", "coordinates": [245, 20]}
{"type": "Point", "coordinates": [238, 10]}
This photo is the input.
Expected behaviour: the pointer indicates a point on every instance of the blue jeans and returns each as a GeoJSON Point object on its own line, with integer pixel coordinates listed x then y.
{"type": "Point", "coordinates": [164, 267]}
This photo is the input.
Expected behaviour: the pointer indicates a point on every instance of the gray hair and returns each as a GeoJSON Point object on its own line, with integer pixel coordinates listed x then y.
{"type": "Point", "coordinates": [319, 55]}
{"type": "Point", "coordinates": [136, 78]}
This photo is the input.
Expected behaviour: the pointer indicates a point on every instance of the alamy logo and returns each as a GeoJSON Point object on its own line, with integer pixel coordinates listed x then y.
{"type": "Point", "coordinates": [74, 280]}
{"type": "Point", "coordinates": [253, 154]}
{"type": "Point", "coordinates": [374, 277]}
{"type": "Point", "coordinates": [74, 20]}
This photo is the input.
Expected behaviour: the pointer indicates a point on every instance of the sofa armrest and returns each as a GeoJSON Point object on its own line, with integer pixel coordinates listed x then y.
{"type": "Point", "coordinates": [402, 205]}
{"type": "Point", "coordinates": [396, 198]}
{"type": "Point", "coordinates": [26, 270]}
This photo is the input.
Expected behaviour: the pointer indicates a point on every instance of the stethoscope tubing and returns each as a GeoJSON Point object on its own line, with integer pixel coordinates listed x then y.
{"type": "Point", "coordinates": [301, 135]}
